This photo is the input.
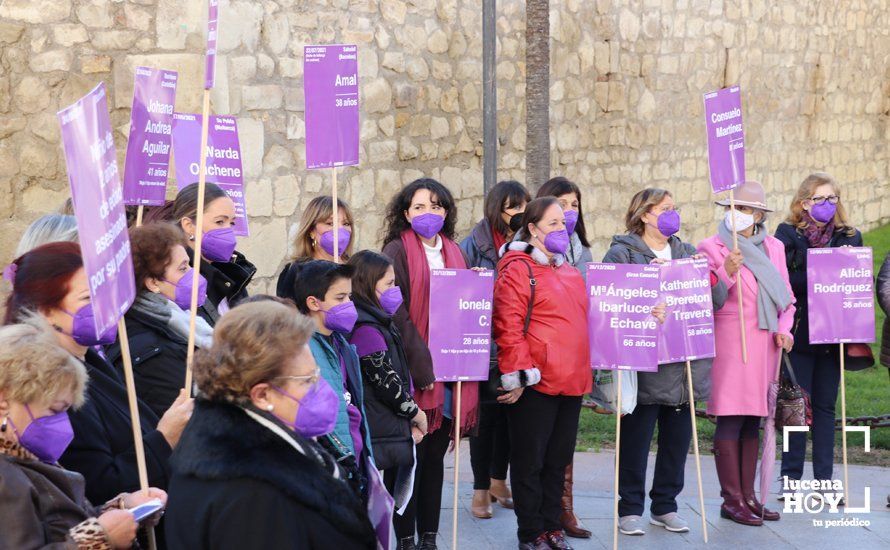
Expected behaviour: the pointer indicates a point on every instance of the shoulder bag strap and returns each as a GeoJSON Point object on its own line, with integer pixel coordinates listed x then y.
{"type": "Point", "coordinates": [532, 283]}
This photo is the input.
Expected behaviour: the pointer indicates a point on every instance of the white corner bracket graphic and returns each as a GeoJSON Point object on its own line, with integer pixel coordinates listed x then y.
{"type": "Point", "coordinates": [791, 429]}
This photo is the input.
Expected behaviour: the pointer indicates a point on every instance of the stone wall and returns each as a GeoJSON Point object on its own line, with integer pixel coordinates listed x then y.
{"type": "Point", "coordinates": [626, 85]}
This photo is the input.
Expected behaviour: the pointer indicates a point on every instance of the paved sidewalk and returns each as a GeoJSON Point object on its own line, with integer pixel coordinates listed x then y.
{"type": "Point", "coordinates": [594, 504]}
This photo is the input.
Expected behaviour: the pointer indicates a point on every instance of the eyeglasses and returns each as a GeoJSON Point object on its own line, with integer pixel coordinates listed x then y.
{"type": "Point", "coordinates": [308, 378]}
{"type": "Point", "coordinates": [819, 199]}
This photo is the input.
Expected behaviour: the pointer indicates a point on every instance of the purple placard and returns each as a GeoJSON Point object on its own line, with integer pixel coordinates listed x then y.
{"type": "Point", "coordinates": [623, 332]}
{"type": "Point", "coordinates": [380, 509]}
{"type": "Point", "coordinates": [151, 129]}
{"type": "Point", "coordinates": [840, 295]}
{"type": "Point", "coordinates": [212, 36]}
{"type": "Point", "coordinates": [688, 330]}
{"type": "Point", "coordinates": [330, 84]}
{"type": "Point", "coordinates": [223, 159]}
{"type": "Point", "coordinates": [98, 206]}
{"type": "Point", "coordinates": [460, 323]}
{"type": "Point", "coordinates": [726, 138]}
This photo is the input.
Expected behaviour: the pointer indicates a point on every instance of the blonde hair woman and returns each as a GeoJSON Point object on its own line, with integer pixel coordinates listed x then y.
{"type": "Point", "coordinates": [43, 504]}
{"type": "Point", "coordinates": [315, 238]}
{"type": "Point", "coordinates": [816, 219]}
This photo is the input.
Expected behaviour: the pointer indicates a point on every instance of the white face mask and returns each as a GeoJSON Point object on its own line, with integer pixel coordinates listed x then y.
{"type": "Point", "coordinates": [742, 221]}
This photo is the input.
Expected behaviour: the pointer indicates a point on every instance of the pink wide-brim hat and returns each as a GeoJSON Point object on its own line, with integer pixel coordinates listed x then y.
{"type": "Point", "coordinates": [751, 194]}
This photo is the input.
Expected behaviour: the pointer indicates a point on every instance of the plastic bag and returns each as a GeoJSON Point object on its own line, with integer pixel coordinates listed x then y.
{"type": "Point", "coordinates": [605, 391]}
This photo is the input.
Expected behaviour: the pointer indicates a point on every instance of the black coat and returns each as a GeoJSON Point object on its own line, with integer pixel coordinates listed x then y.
{"type": "Point", "coordinates": [225, 281]}
{"type": "Point", "coordinates": [158, 357]}
{"type": "Point", "coordinates": [103, 449]}
{"type": "Point", "coordinates": [390, 433]}
{"type": "Point", "coordinates": [480, 250]}
{"type": "Point", "coordinates": [238, 485]}
{"type": "Point", "coordinates": [883, 290]}
{"type": "Point", "coordinates": [796, 246]}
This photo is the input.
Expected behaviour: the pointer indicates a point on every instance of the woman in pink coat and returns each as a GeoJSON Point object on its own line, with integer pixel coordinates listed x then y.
{"type": "Point", "coordinates": [739, 390]}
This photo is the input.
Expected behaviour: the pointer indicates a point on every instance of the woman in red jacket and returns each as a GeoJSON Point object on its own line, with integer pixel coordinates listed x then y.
{"type": "Point", "coordinates": [540, 326]}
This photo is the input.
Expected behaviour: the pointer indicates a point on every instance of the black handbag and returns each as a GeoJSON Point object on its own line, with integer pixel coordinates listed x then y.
{"type": "Point", "coordinates": [793, 406]}
{"type": "Point", "coordinates": [494, 372]}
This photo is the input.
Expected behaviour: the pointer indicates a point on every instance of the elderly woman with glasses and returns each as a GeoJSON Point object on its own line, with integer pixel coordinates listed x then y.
{"type": "Point", "coordinates": [816, 219]}
{"type": "Point", "coordinates": [248, 472]}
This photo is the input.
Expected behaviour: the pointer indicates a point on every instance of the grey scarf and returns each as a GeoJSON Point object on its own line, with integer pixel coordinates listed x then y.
{"type": "Point", "coordinates": [772, 293]}
{"type": "Point", "coordinates": [173, 317]}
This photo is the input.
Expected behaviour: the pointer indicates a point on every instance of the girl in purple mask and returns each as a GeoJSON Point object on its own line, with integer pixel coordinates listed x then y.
{"type": "Point", "coordinates": [652, 222]}
{"type": "Point", "coordinates": [315, 237]}
{"type": "Point", "coordinates": [577, 254]}
{"type": "Point", "coordinates": [321, 290]}
{"type": "Point", "coordinates": [395, 420]}
{"type": "Point", "coordinates": [568, 194]}
{"type": "Point", "coordinates": [817, 219]}
{"type": "Point", "coordinates": [44, 505]}
{"type": "Point", "coordinates": [251, 455]}
{"type": "Point", "coordinates": [50, 281]}
{"type": "Point", "coordinates": [420, 222]}
{"type": "Point", "coordinates": [158, 321]}
{"type": "Point", "coordinates": [226, 270]}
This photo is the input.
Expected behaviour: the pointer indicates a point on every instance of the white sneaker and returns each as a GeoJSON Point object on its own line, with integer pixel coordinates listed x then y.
{"type": "Point", "coordinates": [631, 525]}
{"type": "Point", "coordinates": [670, 521]}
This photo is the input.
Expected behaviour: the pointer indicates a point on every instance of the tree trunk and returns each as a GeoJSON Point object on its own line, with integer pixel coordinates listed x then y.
{"type": "Point", "coordinates": [537, 92]}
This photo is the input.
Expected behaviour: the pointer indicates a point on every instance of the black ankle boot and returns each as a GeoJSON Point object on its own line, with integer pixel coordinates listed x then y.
{"type": "Point", "coordinates": [427, 541]}
{"type": "Point", "coordinates": [407, 543]}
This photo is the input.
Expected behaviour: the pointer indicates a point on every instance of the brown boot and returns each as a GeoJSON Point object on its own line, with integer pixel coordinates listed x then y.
{"type": "Point", "coordinates": [570, 523]}
{"type": "Point", "coordinates": [481, 505]}
{"type": "Point", "coordinates": [748, 470]}
{"type": "Point", "coordinates": [726, 458]}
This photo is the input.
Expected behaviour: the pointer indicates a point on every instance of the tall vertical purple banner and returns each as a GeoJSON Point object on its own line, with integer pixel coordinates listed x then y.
{"type": "Point", "coordinates": [330, 84]}
{"type": "Point", "coordinates": [726, 138]}
{"type": "Point", "coordinates": [460, 323]}
{"type": "Point", "coordinates": [688, 329]}
{"type": "Point", "coordinates": [151, 129]}
{"type": "Point", "coordinates": [623, 332]}
{"type": "Point", "coordinates": [840, 295]}
{"type": "Point", "coordinates": [223, 158]}
{"type": "Point", "coordinates": [212, 37]}
{"type": "Point", "coordinates": [98, 206]}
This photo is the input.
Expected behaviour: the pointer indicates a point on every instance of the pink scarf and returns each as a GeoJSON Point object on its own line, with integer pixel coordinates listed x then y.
{"type": "Point", "coordinates": [432, 402]}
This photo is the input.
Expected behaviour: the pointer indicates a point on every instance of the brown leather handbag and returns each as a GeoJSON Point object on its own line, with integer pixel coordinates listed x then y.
{"type": "Point", "coordinates": [792, 402]}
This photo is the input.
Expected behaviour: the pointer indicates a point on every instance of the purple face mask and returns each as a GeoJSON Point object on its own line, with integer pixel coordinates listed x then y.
{"type": "Point", "coordinates": [823, 213]}
{"type": "Point", "coordinates": [317, 414]}
{"type": "Point", "coordinates": [668, 222]}
{"type": "Point", "coordinates": [571, 221]}
{"type": "Point", "coordinates": [427, 225]}
{"type": "Point", "coordinates": [341, 317]}
{"type": "Point", "coordinates": [327, 240]}
{"type": "Point", "coordinates": [183, 290]}
{"type": "Point", "coordinates": [83, 328]}
{"type": "Point", "coordinates": [218, 245]}
{"type": "Point", "coordinates": [391, 299]}
{"type": "Point", "coordinates": [46, 437]}
{"type": "Point", "coordinates": [557, 242]}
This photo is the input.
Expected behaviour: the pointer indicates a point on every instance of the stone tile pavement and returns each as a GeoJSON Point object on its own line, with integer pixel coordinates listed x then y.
{"type": "Point", "coordinates": [594, 504]}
